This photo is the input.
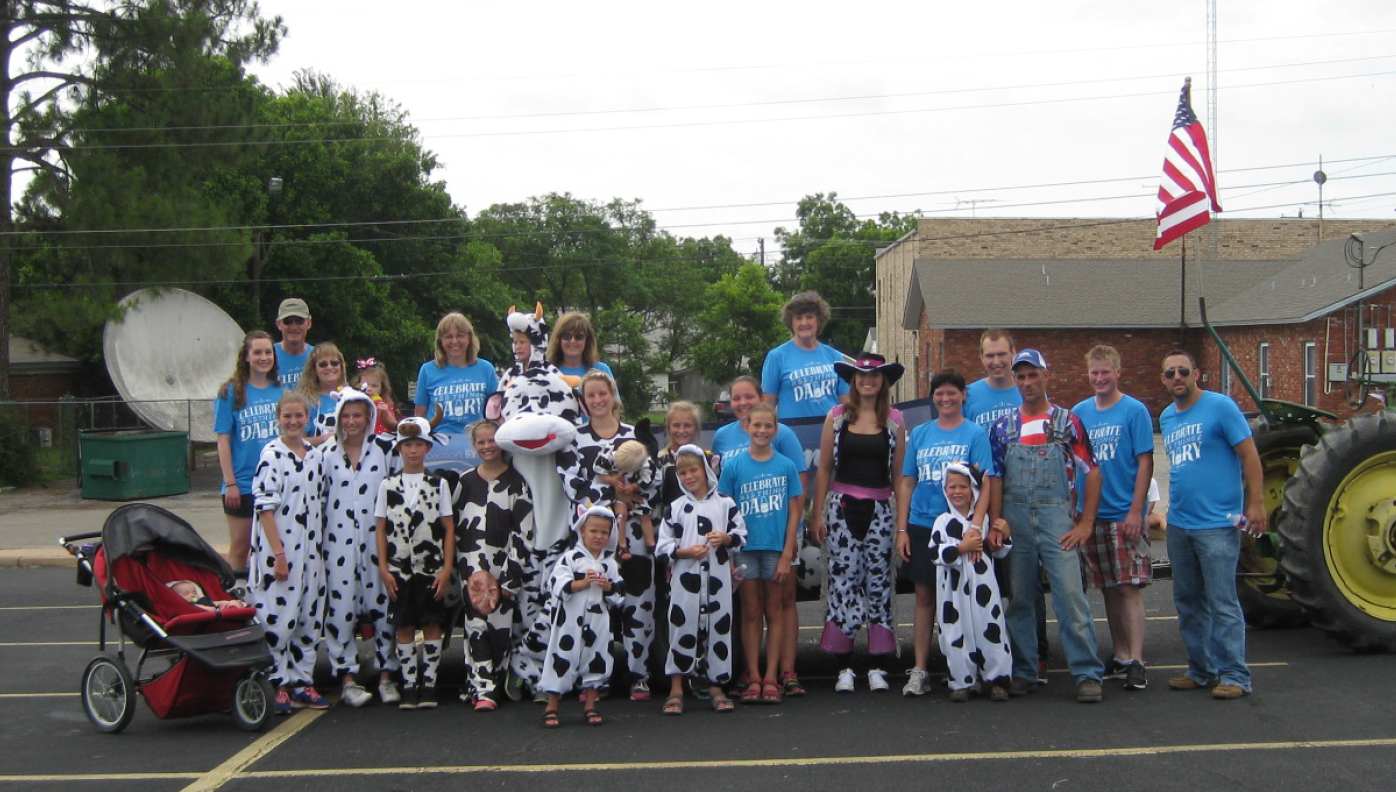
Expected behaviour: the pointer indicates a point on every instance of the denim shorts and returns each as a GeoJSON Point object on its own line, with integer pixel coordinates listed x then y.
{"type": "Point", "coordinates": [757, 564]}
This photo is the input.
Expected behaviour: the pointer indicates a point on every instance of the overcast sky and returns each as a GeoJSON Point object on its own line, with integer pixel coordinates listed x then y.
{"type": "Point", "coordinates": [720, 116]}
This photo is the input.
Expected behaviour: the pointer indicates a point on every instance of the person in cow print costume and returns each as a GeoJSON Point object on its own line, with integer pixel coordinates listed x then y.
{"type": "Point", "coordinates": [352, 465]}
{"type": "Point", "coordinates": [699, 535]}
{"type": "Point", "coordinates": [286, 582]}
{"type": "Point", "coordinates": [584, 484]}
{"type": "Point", "coordinates": [584, 586]}
{"type": "Point", "coordinates": [494, 527]}
{"type": "Point", "coordinates": [860, 457]}
{"type": "Point", "coordinates": [973, 633]}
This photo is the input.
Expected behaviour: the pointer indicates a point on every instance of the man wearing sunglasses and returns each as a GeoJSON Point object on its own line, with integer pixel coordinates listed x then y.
{"type": "Point", "coordinates": [293, 322]}
{"type": "Point", "coordinates": [1210, 453]}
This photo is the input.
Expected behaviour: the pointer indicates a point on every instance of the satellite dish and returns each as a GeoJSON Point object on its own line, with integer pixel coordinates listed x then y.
{"type": "Point", "coordinates": [167, 356]}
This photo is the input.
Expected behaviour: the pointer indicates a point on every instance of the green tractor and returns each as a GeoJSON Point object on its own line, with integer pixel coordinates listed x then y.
{"type": "Point", "coordinates": [1330, 491]}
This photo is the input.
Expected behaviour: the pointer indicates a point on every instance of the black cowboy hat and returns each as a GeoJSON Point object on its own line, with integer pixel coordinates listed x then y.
{"type": "Point", "coordinates": [870, 363]}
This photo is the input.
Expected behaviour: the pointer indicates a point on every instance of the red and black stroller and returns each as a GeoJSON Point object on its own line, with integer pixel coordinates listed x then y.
{"type": "Point", "coordinates": [193, 659]}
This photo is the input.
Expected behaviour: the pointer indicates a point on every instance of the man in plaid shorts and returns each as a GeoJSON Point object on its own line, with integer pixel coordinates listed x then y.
{"type": "Point", "coordinates": [1116, 557]}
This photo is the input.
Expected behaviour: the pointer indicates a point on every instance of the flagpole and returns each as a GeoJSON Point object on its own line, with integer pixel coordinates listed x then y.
{"type": "Point", "coordinates": [1183, 296]}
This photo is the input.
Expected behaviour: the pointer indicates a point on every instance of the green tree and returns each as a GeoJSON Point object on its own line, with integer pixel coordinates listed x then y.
{"type": "Point", "coordinates": [59, 54]}
{"type": "Point", "coordinates": [833, 253]}
{"type": "Point", "coordinates": [739, 326]}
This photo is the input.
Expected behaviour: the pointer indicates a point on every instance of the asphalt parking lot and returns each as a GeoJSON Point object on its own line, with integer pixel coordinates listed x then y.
{"type": "Point", "coordinates": [1322, 718]}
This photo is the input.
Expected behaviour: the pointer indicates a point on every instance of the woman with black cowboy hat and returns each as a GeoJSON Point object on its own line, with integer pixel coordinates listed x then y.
{"type": "Point", "coordinates": [860, 461]}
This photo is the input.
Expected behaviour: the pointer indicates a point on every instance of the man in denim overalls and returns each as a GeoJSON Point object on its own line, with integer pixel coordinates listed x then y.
{"type": "Point", "coordinates": [1038, 450]}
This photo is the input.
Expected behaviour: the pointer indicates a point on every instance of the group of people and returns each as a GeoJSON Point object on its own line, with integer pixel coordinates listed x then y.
{"type": "Point", "coordinates": [356, 539]}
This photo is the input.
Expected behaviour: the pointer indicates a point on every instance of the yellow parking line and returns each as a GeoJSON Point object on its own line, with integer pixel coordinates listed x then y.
{"type": "Point", "coordinates": [93, 606]}
{"type": "Point", "coordinates": [239, 761]}
{"type": "Point", "coordinates": [228, 770]}
{"type": "Point", "coordinates": [34, 695]}
{"type": "Point", "coordinates": [92, 644]}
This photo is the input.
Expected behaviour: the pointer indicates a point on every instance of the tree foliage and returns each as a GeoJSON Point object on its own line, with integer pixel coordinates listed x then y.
{"type": "Point", "coordinates": [833, 252]}
{"type": "Point", "coordinates": [63, 57]}
{"type": "Point", "coordinates": [739, 326]}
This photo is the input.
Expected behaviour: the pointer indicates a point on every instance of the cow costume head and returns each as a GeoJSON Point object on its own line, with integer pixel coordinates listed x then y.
{"type": "Point", "coordinates": [538, 410]}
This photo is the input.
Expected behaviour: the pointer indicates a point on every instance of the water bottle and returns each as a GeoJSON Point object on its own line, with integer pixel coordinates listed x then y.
{"type": "Point", "coordinates": [1238, 520]}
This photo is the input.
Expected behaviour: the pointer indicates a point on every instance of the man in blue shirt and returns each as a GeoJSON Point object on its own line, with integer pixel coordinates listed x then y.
{"type": "Point", "coordinates": [1116, 557]}
{"type": "Point", "coordinates": [293, 322]}
{"type": "Point", "coordinates": [996, 395]}
{"type": "Point", "coordinates": [1210, 453]}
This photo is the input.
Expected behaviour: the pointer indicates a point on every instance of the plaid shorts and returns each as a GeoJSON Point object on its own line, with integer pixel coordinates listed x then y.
{"type": "Point", "coordinates": [1107, 560]}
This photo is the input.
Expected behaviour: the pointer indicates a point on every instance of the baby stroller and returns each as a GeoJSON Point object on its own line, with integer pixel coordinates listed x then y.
{"type": "Point", "coordinates": [192, 660]}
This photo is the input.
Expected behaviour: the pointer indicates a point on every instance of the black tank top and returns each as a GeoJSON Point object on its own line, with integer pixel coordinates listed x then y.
{"type": "Point", "coordinates": [863, 460]}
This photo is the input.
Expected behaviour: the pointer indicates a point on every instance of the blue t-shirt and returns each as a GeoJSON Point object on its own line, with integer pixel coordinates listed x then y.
{"type": "Point", "coordinates": [322, 417]}
{"type": "Point", "coordinates": [1119, 434]}
{"type": "Point", "coordinates": [1204, 475]}
{"type": "Point", "coordinates": [928, 451]}
{"type": "Point", "coordinates": [289, 367]}
{"type": "Point", "coordinates": [581, 371]}
{"type": "Point", "coordinates": [460, 390]}
{"type": "Point", "coordinates": [248, 429]}
{"type": "Point", "coordinates": [731, 439]}
{"type": "Point", "coordinates": [762, 491]}
{"type": "Point", "coordinates": [803, 380]}
{"type": "Point", "coordinates": [985, 404]}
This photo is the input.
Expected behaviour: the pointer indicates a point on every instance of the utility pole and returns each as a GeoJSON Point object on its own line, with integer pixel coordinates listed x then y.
{"type": "Point", "coordinates": [762, 242]}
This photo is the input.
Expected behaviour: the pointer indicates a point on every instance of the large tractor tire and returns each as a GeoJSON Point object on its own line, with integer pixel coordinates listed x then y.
{"type": "Point", "coordinates": [1266, 599]}
{"type": "Point", "coordinates": [1339, 530]}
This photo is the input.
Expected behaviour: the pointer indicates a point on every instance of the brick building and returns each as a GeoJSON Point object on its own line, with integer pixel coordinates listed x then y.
{"type": "Point", "coordinates": [1279, 292]}
{"type": "Point", "coordinates": [37, 375]}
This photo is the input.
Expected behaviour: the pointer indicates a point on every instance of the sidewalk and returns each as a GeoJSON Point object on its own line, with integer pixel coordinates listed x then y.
{"type": "Point", "coordinates": [32, 519]}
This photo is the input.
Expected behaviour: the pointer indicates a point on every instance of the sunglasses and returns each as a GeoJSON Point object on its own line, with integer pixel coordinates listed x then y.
{"type": "Point", "coordinates": [572, 336]}
{"type": "Point", "coordinates": [293, 320]}
{"type": "Point", "coordinates": [1181, 371]}
{"type": "Point", "coordinates": [329, 363]}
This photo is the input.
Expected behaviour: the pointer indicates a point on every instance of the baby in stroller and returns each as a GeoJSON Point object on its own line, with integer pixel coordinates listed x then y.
{"type": "Point", "coordinates": [158, 580]}
{"type": "Point", "coordinates": [194, 594]}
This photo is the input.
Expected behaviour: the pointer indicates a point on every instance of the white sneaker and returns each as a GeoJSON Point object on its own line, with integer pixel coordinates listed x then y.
{"type": "Point", "coordinates": [354, 695]}
{"type": "Point", "coordinates": [388, 692]}
{"type": "Point", "coordinates": [877, 681]}
{"type": "Point", "coordinates": [918, 683]}
{"type": "Point", "coordinates": [845, 683]}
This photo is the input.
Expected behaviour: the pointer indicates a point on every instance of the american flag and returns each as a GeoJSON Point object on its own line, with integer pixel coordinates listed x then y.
{"type": "Point", "coordinates": [1188, 188]}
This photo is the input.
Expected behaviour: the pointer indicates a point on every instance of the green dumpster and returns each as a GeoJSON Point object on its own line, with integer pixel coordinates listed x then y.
{"type": "Point", "coordinates": [134, 464]}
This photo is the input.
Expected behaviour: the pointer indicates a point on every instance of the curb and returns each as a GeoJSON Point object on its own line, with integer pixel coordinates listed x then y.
{"type": "Point", "coordinates": [36, 557]}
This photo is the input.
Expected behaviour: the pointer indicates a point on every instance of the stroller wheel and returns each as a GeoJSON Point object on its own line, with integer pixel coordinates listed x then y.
{"type": "Point", "coordinates": [253, 701]}
{"type": "Point", "coordinates": [108, 694]}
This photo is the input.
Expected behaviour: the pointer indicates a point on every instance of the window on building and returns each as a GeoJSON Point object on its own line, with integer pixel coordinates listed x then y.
{"type": "Point", "coordinates": [1263, 378]}
{"type": "Point", "coordinates": [1310, 373]}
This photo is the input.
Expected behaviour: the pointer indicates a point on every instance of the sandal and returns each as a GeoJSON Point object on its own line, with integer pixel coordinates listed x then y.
{"type": "Point", "coordinates": [673, 705]}
{"type": "Point", "coordinates": [722, 704]}
{"type": "Point", "coordinates": [551, 720]}
{"type": "Point", "coordinates": [752, 694]}
{"type": "Point", "coordinates": [771, 693]}
{"type": "Point", "coordinates": [593, 718]}
{"type": "Point", "coordinates": [792, 685]}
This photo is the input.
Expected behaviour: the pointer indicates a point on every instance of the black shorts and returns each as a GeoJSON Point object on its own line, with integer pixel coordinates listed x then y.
{"type": "Point", "coordinates": [922, 566]}
{"type": "Point", "coordinates": [245, 506]}
{"type": "Point", "coordinates": [415, 605]}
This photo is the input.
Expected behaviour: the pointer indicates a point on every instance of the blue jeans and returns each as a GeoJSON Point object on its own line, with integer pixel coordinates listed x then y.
{"type": "Point", "coordinates": [1209, 609]}
{"type": "Point", "coordinates": [1037, 507]}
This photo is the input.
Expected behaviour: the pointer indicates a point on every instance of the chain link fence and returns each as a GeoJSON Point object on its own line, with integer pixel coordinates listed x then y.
{"type": "Point", "coordinates": [53, 428]}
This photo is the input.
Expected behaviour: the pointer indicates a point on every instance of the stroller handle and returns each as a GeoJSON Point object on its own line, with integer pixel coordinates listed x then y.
{"type": "Point", "coordinates": [64, 541]}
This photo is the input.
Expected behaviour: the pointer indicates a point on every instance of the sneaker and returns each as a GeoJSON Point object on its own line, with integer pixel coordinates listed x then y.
{"type": "Point", "coordinates": [877, 681]}
{"type": "Point", "coordinates": [428, 698]}
{"type": "Point", "coordinates": [541, 697]}
{"type": "Point", "coordinates": [485, 704]}
{"type": "Point", "coordinates": [283, 702]}
{"type": "Point", "coordinates": [308, 698]}
{"type": "Point", "coordinates": [467, 698]}
{"type": "Point", "coordinates": [1115, 669]}
{"type": "Point", "coordinates": [1019, 686]}
{"type": "Point", "coordinates": [846, 681]}
{"type": "Point", "coordinates": [998, 693]}
{"type": "Point", "coordinates": [918, 683]}
{"type": "Point", "coordinates": [1229, 692]}
{"type": "Point", "coordinates": [513, 687]}
{"type": "Point", "coordinates": [1137, 677]}
{"type": "Point", "coordinates": [959, 696]}
{"type": "Point", "coordinates": [1088, 691]}
{"type": "Point", "coordinates": [640, 691]}
{"type": "Point", "coordinates": [354, 695]}
{"type": "Point", "coordinates": [1042, 672]}
{"type": "Point", "coordinates": [1188, 683]}
{"type": "Point", "coordinates": [388, 692]}
{"type": "Point", "coordinates": [410, 697]}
